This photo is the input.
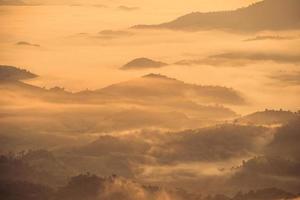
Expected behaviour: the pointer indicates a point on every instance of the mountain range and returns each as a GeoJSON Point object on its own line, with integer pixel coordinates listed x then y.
{"type": "Point", "coordinates": [260, 16]}
{"type": "Point", "coordinates": [152, 100]}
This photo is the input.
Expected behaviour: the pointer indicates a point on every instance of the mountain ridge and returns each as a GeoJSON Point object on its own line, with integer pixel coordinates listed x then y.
{"type": "Point", "coordinates": [11, 73]}
{"type": "Point", "coordinates": [263, 15]}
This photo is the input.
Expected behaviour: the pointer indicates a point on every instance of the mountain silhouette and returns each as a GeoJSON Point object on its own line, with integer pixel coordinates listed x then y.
{"type": "Point", "coordinates": [143, 63]}
{"type": "Point", "coordinates": [156, 100]}
{"type": "Point", "coordinates": [151, 87]}
{"type": "Point", "coordinates": [10, 73]}
{"type": "Point", "coordinates": [264, 15]}
{"type": "Point", "coordinates": [162, 95]}
{"type": "Point", "coordinates": [268, 117]}
{"type": "Point", "coordinates": [11, 81]}
{"type": "Point", "coordinates": [156, 86]}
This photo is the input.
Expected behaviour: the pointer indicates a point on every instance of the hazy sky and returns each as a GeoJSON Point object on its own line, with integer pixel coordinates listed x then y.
{"type": "Point", "coordinates": [174, 4]}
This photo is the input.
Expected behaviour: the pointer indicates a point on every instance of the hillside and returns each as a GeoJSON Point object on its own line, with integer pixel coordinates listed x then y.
{"type": "Point", "coordinates": [268, 117]}
{"type": "Point", "coordinates": [264, 15]}
{"type": "Point", "coordinates": [10, 73]}
{"type": "Point", "coordinates": [156, 86]}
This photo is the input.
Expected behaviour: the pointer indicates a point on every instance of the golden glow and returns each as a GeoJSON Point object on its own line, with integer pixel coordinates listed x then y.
{"type": "Point", "coordinates": [183, 124]}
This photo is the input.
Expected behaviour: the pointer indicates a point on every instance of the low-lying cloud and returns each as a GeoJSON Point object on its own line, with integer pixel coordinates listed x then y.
{"type": "Point", "coordinates": [287, 78]}
{"type": "Point", "coordinates": [240, 59]}
{"type": "Point", "coordinates": [270, 37]}
{"type": "Point", "coordinates": [128, 8]}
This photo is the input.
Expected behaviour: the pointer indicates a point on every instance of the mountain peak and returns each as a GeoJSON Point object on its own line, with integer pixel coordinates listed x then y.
{"type": "Point", "coordinates": [158, 76]}
{"type": "Point", "coordinates": [143, 63]}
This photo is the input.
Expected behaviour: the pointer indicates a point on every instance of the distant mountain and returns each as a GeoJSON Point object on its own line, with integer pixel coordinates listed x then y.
{"type": "Point", "coordinates": [151, 87]}
{"type": "Point", "coordinates": [143, 63]}
{"type": "Point", "coordinates": [156, 99]}
{"type": "Point", "coordinates": [10, 73]}
{"type": "Point", "coordinates": [24, 43]}
{"type": "Point", "coordinates": [264, 15]}
{"type": "Point", "coordinates": [268, 117]}
{"type": "Point", "coordinates": [151, 101]}
{"type": "Point", "coordinates": [156, 86]}
{"type": "Point", "coordinates": [11, 84]}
